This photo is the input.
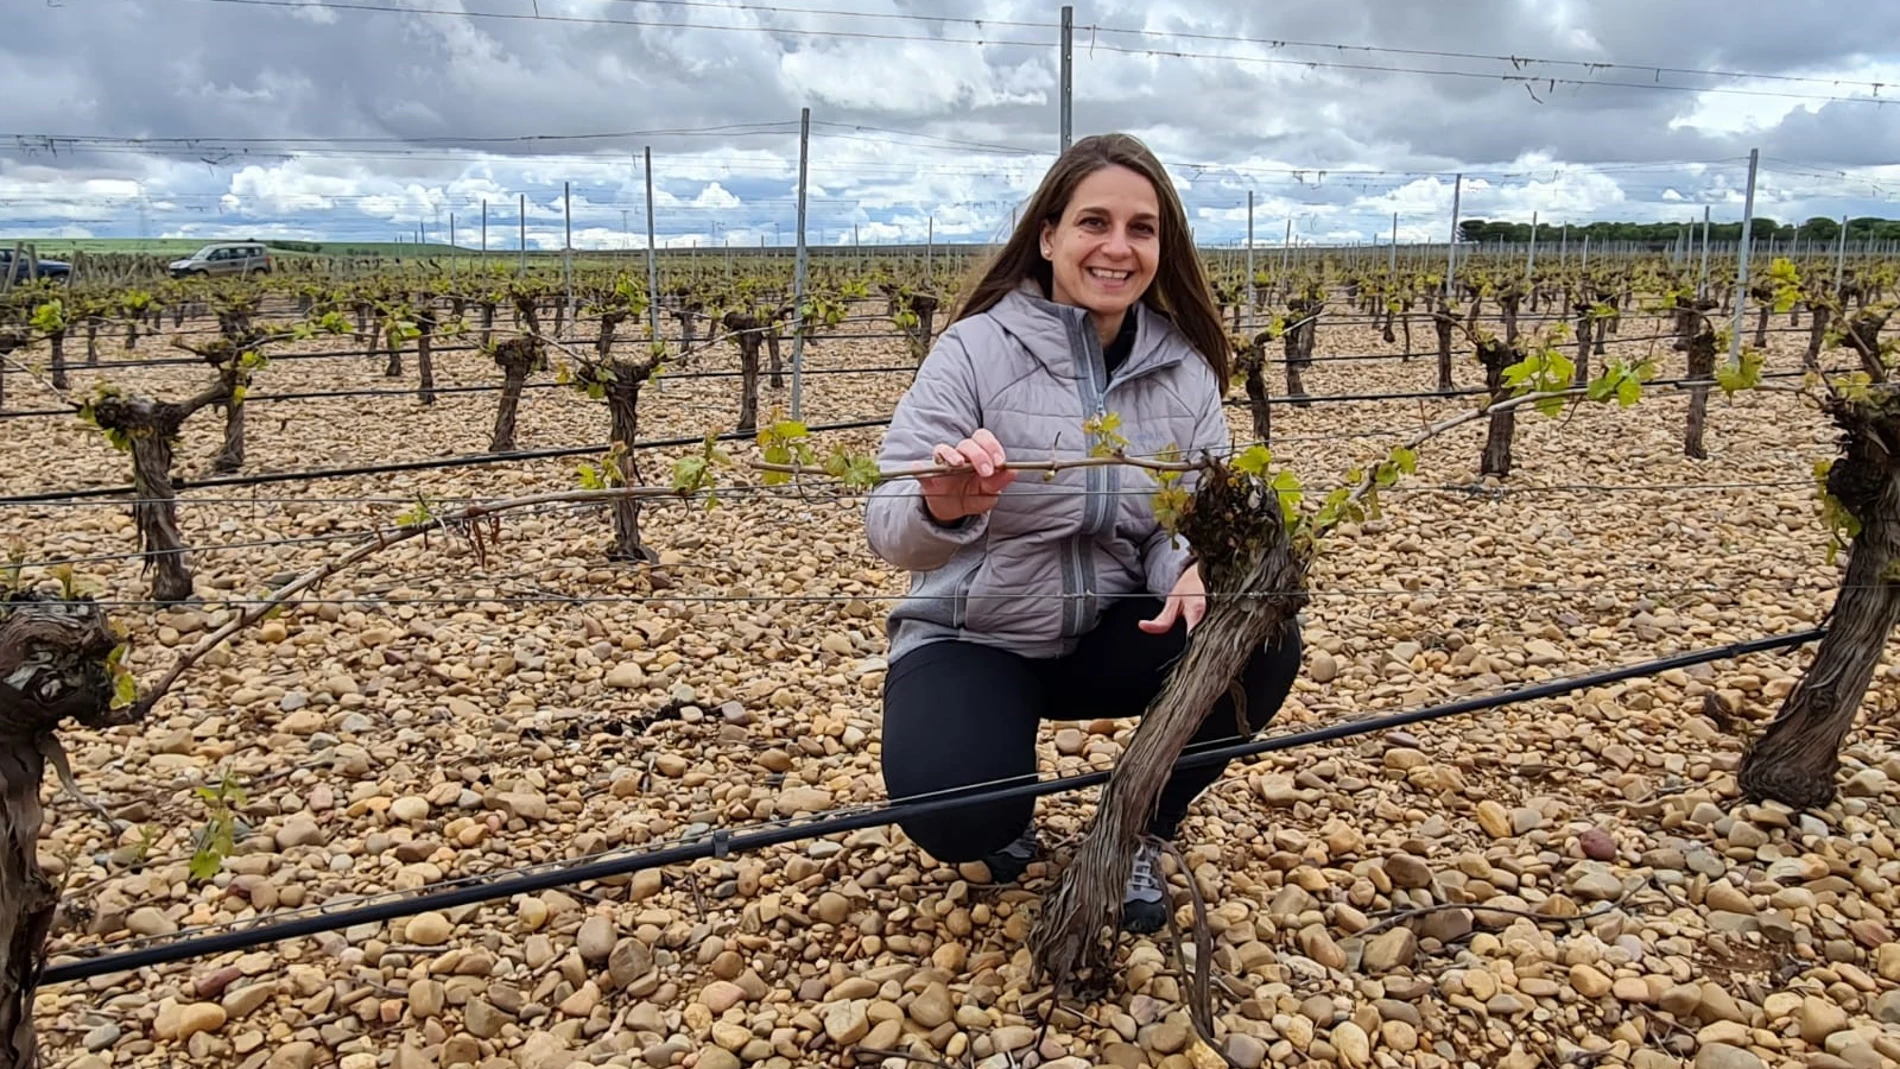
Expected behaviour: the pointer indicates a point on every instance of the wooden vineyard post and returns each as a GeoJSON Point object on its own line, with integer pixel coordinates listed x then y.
{"type": "Point", "coordinates": [53, 666]}
{"type": "Point", "coordinates": [1795, 760]}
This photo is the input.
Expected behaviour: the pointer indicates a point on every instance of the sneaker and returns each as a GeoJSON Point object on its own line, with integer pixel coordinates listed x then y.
{"type": "Point", "coordinates": [1145, 902]}
{"type": "Point", "coordinates": [1008, 864]}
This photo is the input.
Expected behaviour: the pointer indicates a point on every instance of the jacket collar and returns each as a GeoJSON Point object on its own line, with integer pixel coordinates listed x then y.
{"type": "Point", "coordinates": [1046, 327]}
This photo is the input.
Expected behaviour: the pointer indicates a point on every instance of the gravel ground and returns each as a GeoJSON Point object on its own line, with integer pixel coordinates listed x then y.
{"type": "Point", "coordinates": [1564, 882]}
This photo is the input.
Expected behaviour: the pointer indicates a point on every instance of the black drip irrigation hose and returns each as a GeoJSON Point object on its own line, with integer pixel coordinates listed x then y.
{"type": "Point", "coordinates": [1299, 400]}
{"type": "Point", "coordinates": [468, 460]}
{"type": "Point", "coordinates": [496, 387]}
{"type": "Point", "coordinates": [722, 843]}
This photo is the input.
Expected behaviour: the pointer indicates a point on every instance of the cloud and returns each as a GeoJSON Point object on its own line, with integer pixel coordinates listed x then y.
{"type": "Point", "coordinates": [318, 121]}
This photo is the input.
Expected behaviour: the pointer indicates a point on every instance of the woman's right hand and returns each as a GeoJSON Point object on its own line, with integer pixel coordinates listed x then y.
{"type": "Point", "coordinates": [973, 488]}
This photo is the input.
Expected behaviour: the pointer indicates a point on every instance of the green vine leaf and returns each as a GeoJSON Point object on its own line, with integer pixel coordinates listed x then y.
{"type": "Point", "coordinates": [1254, 461]}
{"type": "Point", "coordinates": [1742, 374]}
{"type": "Point", "coordinates": [1104, 434]}
{"type": "Point", "coordinates": [785, 441]}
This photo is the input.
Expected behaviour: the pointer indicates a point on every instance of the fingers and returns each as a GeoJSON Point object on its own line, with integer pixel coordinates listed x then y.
{"type": "Point", "coordinates": [978, 458]}
{"type": "Point", "coordinates": [994, 448]}
{"type": "Point", "coordinates": [982, 454]}
{"type": "Point", "coordinates": [1193, 609]}
{"type": "Point", "coordinates": [1163, 621]}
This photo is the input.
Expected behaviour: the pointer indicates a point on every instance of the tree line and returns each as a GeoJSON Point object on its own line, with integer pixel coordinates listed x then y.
{"type": "Point", "coordinates": [1815, 229]}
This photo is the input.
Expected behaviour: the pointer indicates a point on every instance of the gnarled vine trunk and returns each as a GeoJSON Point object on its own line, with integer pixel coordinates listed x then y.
{"type": "Point", "coordinates": [1297, 343]}
{"type": "Point", "coordinates": [776, 365]}
{"type": "Point", "coordinates": [1795, 761]}
{"type": "Point", "coordinates": [923, 308]}
{"type": "Point", "coordinates": [1701, 352]}
{"type": "Point", "coordinates": [1608, 324]}
{"type": "Point", "coordinates": [393, 369]}
{"type": "Point", "coordinates": [230, 456]}
{"type": "Point", "coordinates": [1251, 362]}
{"type": "Point", "coordinates": [1495, 355]}
{"type": "Point", "coordinates": [150, 429]}
{"type": "Point", "coordinates": [1442, 324]}
{"type": "Point", "coordinates": [1586, 333]}
{"type": "Point", "coordinates": [518, 358]}
{"type": "Point", "coordinates": [1508, 304]}
{"type": "Point", "coordinates": [1256, 585]}
{"type": "Point", "coordinates": [425, 355]}
{"type": "Point", "coordinates": [688, 316]}
{"type": "Point", "coordinates": [52, 667]}
{"type": "Point", "coordinates": [58, 341]}
{"type": "Point", "coordinates": [1863, 336]}
{"type": "Point", "coordinates": [525, 313]}
{"type": "Point", "coordinates": [623, 411]}
{"type": "Point", "coordinates": [746, 331]}
{"type": "Point", "coordinates": [1820, 315]}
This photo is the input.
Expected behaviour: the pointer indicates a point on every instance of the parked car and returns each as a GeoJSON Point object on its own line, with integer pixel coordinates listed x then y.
{"type": "Point", "coordinates": [224, 258]}
{"type": "Point", "coordinates": [17, 269]}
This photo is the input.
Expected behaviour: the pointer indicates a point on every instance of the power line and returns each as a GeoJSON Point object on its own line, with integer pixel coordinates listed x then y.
{"type": "Point", "coordinates": [194, 142]}
{"type": "Point", "coordinates": [340, 5]}
{"type": "Point", "coordinates": [1511, 58]}
{"type": "Point", "coordinates": [1526, 80]}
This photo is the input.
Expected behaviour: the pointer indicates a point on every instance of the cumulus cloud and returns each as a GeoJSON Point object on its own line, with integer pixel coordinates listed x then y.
{"type": "Point", "coordinates": [300, 119]}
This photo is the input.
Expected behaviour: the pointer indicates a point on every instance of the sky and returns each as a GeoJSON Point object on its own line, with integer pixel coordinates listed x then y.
{"type": "Point", "coordinates": [929, 119]}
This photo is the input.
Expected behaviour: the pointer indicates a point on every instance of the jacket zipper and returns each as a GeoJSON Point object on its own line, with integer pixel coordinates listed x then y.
{"type": "Point", "coordinates": [1097, 482]}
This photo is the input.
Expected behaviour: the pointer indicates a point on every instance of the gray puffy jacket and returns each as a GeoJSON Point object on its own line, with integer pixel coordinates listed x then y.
{"type": "Point", "coordinates": [1036, 571]}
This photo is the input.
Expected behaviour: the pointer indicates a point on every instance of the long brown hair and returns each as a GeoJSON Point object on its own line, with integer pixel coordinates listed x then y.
{"type": "Point", "coordinates": [1180, 290]}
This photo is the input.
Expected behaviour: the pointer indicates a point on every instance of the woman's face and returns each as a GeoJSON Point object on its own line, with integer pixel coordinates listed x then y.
{"type": "Point", "coordinates": [1104, 250]}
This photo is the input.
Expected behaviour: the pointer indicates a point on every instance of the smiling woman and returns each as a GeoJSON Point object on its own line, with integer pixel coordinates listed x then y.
{"type": "Point", "coordinates": [1065, 599]}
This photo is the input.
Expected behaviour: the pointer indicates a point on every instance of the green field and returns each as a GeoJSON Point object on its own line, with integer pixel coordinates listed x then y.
{"type": "Point", "coordinates": [55, 248]}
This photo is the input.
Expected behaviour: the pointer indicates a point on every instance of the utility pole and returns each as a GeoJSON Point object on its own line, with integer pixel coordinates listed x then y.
{"type": "Point", "coordinates": [1068, 74]}
{"type": "Point", "coordinates": [798, 271]}
{"type": "Point", "coordinates": [1253, 298]}
{"type": "Point", "coordinates": [1451, 245]}
{"type": "Point", "coordinates": [653, 266]}
{"type": "Point", "coordinates": [1741, 260]}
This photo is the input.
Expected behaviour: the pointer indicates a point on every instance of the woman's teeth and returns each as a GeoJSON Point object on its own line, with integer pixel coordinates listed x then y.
{"type": "Point", "coordinates": [1110, 276]}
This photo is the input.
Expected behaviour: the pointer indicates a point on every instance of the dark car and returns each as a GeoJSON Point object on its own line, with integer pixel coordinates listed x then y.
{"type": "Point", "coordinates": [17, 269]}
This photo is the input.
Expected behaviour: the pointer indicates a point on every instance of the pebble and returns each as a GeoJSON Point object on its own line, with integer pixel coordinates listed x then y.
{"type": "Point", "coordinates": [596, 939]}
{"type": "Point", "coordinates": [389, 742]}
{"type": "Point", "coordinates": [409, 809]}
{"type": "Point", "coordinates": [198, 1017]}
{"type": "Point", "coordinates": [1727, 1056]}
{"type": "Point", "coordinates": [428, 929]}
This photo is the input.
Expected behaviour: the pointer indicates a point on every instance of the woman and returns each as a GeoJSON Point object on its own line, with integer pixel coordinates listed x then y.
{"type": "Point", "coordinates": [1054, 598]}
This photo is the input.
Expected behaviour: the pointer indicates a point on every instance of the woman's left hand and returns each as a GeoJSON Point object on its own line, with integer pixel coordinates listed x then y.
{"type": "Point", "coordinates": [1188, 600]}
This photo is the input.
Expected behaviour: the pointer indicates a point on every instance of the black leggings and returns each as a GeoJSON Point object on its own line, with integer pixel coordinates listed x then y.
{"type": "Point", "coordinates": [958, 714]}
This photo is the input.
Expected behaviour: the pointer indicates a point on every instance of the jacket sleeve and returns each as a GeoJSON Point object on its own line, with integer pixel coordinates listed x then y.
{"type": "Point", "coordinates": [1165, 556]}
{"type": "Point", "coordinates": [940, 406]}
